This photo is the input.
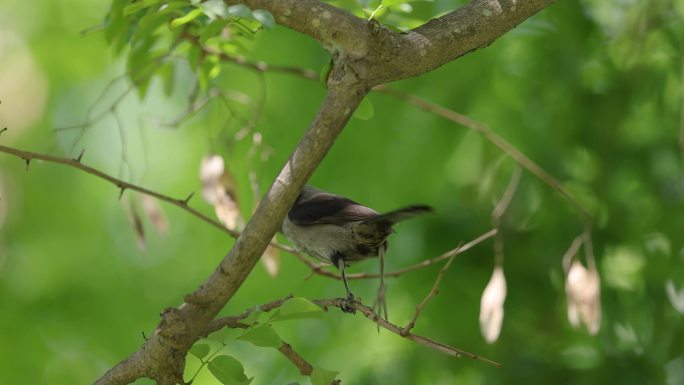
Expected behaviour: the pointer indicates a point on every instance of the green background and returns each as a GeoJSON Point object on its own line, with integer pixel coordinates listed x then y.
{"type": "Point", "coordinates": [590, 90]}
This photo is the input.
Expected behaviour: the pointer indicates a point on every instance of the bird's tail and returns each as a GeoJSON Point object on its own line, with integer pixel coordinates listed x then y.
{"type": "Point", "coordinates": [374, 231]}
{"type": "Point", "coordinates": [401, 214]}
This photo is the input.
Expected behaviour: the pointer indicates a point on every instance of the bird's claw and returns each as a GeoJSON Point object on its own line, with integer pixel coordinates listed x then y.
{"type": "Point", "coordinates": [348, 304]}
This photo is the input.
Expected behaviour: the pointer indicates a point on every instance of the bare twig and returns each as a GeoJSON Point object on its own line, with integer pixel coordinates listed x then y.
{"type": "Point", "coordinates": [433, 292]}
{"type": "Point", "coordinates": [234, 321]}
{"type": "Point", "coordinates": [499, 142]}
{"type": "Point", "coordinates": [507, 196]}
{"type": "Point", "coordinates": [304, 367]}
{"type": "Point", "coordinates": [319, 269]}
{"type": "Point", "coordinates": [383, 323]}
{"type": "Point", "coordinates": [571, 252]}
{"type": "Point", "coordinates": [368, 312]}
{"type": "Point", "coordinates": [27, 156]}
{"type": "Point", "coordinates": [500, 209]}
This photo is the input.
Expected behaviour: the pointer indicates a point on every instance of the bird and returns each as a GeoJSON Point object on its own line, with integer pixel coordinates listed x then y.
{"type": "Point", "coordinates": [338, 231]}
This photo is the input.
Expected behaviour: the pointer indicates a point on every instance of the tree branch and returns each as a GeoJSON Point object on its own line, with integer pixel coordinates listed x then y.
{"type": "Point", "coordinates": [475, 25]}
{"type": "Point", "coordinates": [28, 156]}
{"type": "Point", "coordinates": [304, 367]}
{"type": "Point", "coordinates": [379, 55]}
{"type": "Point", "coordinates": [430, 343]}
{"type": "Point", "coordinates": [493, 138]}
{"type": "Point", "coordinates": [368, 313]}
{"type": "Point", "coordinates": [433, 292]}
{"type": "Point", "coordinates": [336, 29]}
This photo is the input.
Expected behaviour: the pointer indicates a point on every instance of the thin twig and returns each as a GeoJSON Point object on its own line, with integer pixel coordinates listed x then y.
{"type": "Point", "coordinates": [433, 292]}
{"type": "Point", "coordinates": [506, 198]}
{"type": "Point", "coordinates": [234, 321]}
{"type": "Point", "coordinates": [499, 211]}
{"type": "Point", "coordinates": [27, 156]}
{"type": "Point", "coordinates": [571, 252]}
{"type": "Point", "coordinates": [304, 367]}
{"type": "Point", "coordinates": [498, 141]}
{"type": "Point", "coordinates": [365, 310]}
{"type": "Point", "coordinates": [383, 323]}
{"type": "Point", "coordinates": [319, 269]}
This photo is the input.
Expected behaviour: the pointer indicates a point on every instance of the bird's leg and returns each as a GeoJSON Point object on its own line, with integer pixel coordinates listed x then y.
{"type": "Point", "coordinates": [380, 305]}
{"type": "Point", "coordinates": [347, 308]}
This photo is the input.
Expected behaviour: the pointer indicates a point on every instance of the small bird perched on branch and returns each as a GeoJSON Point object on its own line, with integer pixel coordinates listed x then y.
{"type": "Point", "coordinates": [340, 231]}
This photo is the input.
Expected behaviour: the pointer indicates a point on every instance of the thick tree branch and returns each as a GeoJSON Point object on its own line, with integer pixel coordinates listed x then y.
{"type": "Point", "coordinates": [379, 55]}
{"type": "Point", "coordinates": [336, 29]}
{"type": "Point", "coordinates": [475, 25]}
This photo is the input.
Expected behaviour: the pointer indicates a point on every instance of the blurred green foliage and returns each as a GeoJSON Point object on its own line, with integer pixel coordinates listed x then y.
{"type": "Point", "coordinates": [590, 90]}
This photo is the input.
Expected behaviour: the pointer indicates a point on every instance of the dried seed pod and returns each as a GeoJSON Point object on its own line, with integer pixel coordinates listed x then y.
{"type": "Point", "coordinates": [491, 306]}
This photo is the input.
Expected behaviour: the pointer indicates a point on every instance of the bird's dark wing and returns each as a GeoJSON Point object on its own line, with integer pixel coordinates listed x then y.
{"type": "Point", "coordinates": [326, 208]}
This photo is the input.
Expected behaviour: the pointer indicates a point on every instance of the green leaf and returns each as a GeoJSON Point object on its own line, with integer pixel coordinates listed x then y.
{"type": "Point", "coordinates": [215, 9]}
{"type": "Point", "coordinates": [213, 29]}
{"type": "Point", "coordinates": [194, 57]}
{"type": "Point", "coordinates": [321, 376]}
{"type": "Point", "coordinates": [228, 370]}
{"type": "Point", "coordinates": [239, 10]}
{"type": "Point", "coordinates": [215, 71]}
{"type": "Point", "coordinates": [192, 15]}
{"type": "Point", "coordinates": [296, 308]}
{"type": "Point", "coordinates": [166, 72]}
{"type": "Point", "coordinates": [138, 5]}
{"type": "Point", "coordinates": [365, 110]}
{"type": "Point", "coordinates": [387, 3]}
{"type": "Point", "coordinates": [263, 336]}
{"type": "Point", "coordinates": [199, 350]}
{"type": "Point", "coordinates": [242, 29]}
{"type": "Point", "coordinates": [147, 26]}
{"type": "Point", "coordinates": [264, 17]}
{"type": "Point", "coordinates": [203, 74]}
{"type": "Point", "coordinates": [116, 27]}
